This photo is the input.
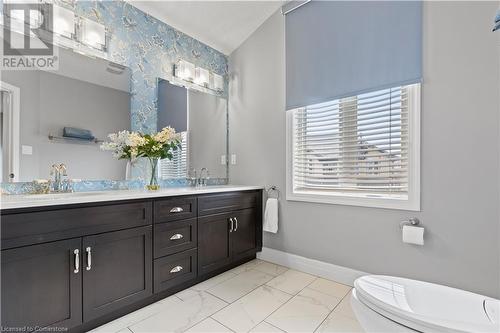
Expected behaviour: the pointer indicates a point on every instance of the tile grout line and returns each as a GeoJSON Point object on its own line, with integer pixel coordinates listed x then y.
{"type": "Point", "coordinates": [221, 323]}
{"type": "Point", "coordinates": [279, 307]}
{"type": "Point", "coordinates": [223, 300]}
{"type": "Point", "coordinates": [264, 321]}
{"type": "Point", "coordinates": [263, 285]}
{"type": "Point", "coordinates": [210, 316]}
{"type": "Point", "coordinates": [294, 296]}
{"type": "Point", "coordinates": [247, 292]}
{"type": "Point", "coordinates": [336, 306]}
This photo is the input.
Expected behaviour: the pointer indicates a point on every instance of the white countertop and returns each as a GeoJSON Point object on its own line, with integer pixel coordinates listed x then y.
{"type": "Point", "coordinates": [43, 200]}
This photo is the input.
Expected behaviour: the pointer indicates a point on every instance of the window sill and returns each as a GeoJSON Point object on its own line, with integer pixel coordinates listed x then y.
{"type": "Point", "coordinates": [354, 200]}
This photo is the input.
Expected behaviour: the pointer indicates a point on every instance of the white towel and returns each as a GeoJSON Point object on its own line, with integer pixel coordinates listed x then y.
{"type": "Point", "coordinates": [271, 215]}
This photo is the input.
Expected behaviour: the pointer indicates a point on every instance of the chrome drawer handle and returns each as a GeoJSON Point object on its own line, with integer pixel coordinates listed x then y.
{"type": "Point", "coordinates": [231, 226]}
{"type": "Point", "coordinates": [236, 220]}
{"type": "Point", "coordinates": [176, 236]}
{"type": "Point", "coordinates": [176, 269]}
{"type": "Point", "coordinates": [177, 210]}
{"type": "Point", "coordinates": [89, 258]}
{"type": "Point", "coordinates": [76, 252]}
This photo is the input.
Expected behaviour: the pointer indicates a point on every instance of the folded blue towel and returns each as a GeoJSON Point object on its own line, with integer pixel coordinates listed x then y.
{"type": "Point", "coordinates": [497, 21]}
{"type": "Point", "coordinates": [78, 133]}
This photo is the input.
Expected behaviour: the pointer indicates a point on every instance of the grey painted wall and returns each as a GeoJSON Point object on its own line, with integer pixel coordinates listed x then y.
{"type": "Point", "coordinates": [460, 157]}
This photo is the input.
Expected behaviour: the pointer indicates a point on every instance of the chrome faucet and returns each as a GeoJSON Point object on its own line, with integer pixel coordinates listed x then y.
{"type": "Point", "coordinates": [195, 180]}
{"type": "Point", "coordinates": [192, 179]}
{"type": "Point", "coordinates": [60, 185]}
{"type": "Point", "coordinates": [202, 181]}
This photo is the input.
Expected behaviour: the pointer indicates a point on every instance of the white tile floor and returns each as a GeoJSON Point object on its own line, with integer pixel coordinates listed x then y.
{"type": "Point", "coordinates": [255, 297]}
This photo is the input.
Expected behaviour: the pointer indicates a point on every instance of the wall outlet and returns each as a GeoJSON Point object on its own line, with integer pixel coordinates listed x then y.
{"type": "Point", "coordinates": [233, 159]}
{"type": "Point", "coordinates": [223, 159]}
{"type": "Point", "coordinates": [26, 150]}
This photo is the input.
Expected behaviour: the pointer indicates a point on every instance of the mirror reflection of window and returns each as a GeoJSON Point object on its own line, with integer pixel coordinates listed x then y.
{"type": "Point", "coordinates": [202, 119]}
{"type": "Point", "coordinates": [177, 166]}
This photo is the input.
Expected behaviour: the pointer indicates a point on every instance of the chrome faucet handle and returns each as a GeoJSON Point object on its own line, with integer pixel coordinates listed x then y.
{"type": "Point", "coordinates": [53, 170]}
{"type": "Point", "coordinates": [63, 169]}
{"type": "Point", "coordinates": [68, 186]}
{"type": "Point", "coordinates": [192, 179]}
{"type": "Point", "coordinates": [203, 180]}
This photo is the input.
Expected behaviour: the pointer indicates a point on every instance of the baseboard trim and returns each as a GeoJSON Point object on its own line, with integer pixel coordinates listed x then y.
{"type": "Point", "coordinates": [323, 269]}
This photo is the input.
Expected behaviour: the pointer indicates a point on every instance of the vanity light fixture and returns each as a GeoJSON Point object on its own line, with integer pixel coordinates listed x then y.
{"type": "Point", "coordinates": [185, 70]}
{"type": "Point", "coordinates": [202, 77]}
{"type": "Point", "coordinates": [217, 82]}
{"type": "Point", "coordinates": [92, 34]}
{"type": "Point", "coordinates": [63, 22]}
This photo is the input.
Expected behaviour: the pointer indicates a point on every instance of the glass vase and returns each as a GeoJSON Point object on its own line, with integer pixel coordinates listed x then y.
{"type": "Point", "coordinates": [153, 182]}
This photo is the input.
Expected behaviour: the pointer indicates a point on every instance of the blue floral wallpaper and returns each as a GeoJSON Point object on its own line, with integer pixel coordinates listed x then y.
{"type": "Point", "coordinates": [149, 48]}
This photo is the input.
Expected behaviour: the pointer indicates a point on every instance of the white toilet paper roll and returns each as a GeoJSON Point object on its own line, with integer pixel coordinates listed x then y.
{"type": "Point", "coordinates": [413, 235]}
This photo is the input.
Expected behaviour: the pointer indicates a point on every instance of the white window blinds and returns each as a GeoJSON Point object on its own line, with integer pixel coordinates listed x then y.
{"type": "Point", "coordinates": [354, 146]}
{"type": "Point", "coordinates": [177, 166]}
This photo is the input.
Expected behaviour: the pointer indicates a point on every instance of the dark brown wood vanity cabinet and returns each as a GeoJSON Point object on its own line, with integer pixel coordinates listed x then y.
{"type": "Point", "coordinates": [229, 229]}
{"type": "Point", "coordinates": [176, 242]}
{"type": "Point", "coordinates": [116, 270]}
{"type": "Point", "coordinates": [65, 282]}
{"type": "Point", "coordinates": [40, 286]}
{"type": "Point", "coordinates": [80, 266]}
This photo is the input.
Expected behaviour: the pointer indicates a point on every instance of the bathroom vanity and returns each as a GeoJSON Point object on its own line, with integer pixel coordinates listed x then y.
{"type": "Point", "coordinates": [81, 261]}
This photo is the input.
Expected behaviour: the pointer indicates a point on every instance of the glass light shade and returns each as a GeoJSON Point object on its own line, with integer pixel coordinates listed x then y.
{"type": "Point", "coordinates": [218, 82]}
{"type": "Point", "coordinates": [201, 76]}
{"type": "Point", "coordinates": [64, 22]}
{"type": "Point", "coordinates": [185, 70]}
{"type": "Point", "coordinates": [92, 34]}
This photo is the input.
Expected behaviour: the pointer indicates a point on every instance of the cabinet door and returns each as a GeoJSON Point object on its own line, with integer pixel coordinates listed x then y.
{"type": "Point", "coordinates": [214, 248]}
{"type": "Point", "coordinates": [41, 286]}
{"type": "Point", "coordinates": [243, 237]}
{"type": "Point", "coordinates": [117, 270]}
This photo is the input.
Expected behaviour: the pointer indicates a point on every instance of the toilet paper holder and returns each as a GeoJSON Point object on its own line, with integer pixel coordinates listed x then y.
{"type": "Point", "coordinates": [412, 221]}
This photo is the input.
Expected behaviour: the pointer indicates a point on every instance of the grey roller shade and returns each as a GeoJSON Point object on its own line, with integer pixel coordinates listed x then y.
{"type": "Point", "coordinates": [336, 49]}
{"type": "Point", "coordinates": [172, 106]}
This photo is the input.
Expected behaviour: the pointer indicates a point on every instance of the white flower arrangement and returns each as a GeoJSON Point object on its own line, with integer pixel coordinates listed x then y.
{"type": "Point", "coordinates": [131, 145]}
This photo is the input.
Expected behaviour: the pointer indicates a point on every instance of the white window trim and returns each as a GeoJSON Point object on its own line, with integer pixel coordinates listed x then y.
{"type": "Point", "coordinates": [412, 203]}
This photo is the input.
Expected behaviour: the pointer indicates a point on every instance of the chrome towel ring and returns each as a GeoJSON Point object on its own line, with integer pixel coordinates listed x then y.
{"type": "Point", "coordinates": [273, 191]}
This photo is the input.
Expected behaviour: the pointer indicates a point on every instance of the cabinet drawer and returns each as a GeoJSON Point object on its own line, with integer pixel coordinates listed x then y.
{"type": "Point", "coordinates": [174, 209]}
{"type": "Point", "coordinates": [39, 227]}
{"type": "Point", "coordinates": [175, 269]}
{"type": "Point", "coordinates": [175, 237]}
{"type": "Point", "coordinates": [225, 202]}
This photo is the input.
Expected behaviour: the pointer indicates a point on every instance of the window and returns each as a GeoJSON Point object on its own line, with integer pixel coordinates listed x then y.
{"type": "Point", "coordinates": [361, 150]}
{"type": "Point", "coordinates": [177, 166]}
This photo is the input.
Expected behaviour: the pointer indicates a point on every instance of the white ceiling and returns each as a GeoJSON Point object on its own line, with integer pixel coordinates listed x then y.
{"type": "Point", "coordinates": [223, 25]}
